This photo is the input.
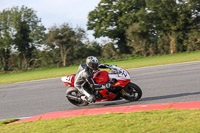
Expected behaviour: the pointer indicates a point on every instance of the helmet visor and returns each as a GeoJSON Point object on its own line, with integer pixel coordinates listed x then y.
{"type": "Point", "coordinates": [95, 66]}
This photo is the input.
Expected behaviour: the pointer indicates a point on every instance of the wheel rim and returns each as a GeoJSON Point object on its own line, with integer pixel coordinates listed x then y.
{"type": "Point", "coordinates": [133, 92]}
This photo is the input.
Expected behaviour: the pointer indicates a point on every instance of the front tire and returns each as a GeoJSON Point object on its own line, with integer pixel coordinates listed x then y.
{"type": "Point", "coordinates": [134, 91]}
{"type": "Point", "coordinates": [74, 92]}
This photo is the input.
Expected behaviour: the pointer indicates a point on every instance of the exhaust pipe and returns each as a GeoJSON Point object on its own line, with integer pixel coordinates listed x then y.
{"type": "Point", "coordinates": [74, 98]}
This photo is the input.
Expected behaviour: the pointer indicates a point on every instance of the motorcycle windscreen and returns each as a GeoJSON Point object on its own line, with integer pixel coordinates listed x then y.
{"type": "Point", "coordinates": [101, 77]}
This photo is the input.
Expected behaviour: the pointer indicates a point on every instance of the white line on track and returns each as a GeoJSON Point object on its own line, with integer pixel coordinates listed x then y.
{"type": "Point", "coordinates": [21, 118]}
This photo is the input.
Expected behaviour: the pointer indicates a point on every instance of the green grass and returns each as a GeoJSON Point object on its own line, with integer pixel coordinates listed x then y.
{"type": "Point", "coordinates": [165, 121]}
{"type": "Point", "coordinates": [126, 63]}
{"type": "Point", "coordinates": [4, 122]}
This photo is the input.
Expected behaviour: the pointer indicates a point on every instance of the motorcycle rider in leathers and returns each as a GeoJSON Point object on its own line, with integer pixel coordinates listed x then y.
{"type": "Point", "coordinates": [84, 81]}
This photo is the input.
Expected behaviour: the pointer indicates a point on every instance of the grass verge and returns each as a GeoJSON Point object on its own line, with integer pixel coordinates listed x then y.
{"type": "Point", "coordinates": [126, 63]}
{"type": "Point", "coordinates": [165, 121]}
{"type": "Point", "coordinates": [4, 122]}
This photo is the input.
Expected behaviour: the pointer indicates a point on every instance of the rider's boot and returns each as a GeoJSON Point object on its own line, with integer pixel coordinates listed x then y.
{"type": "Point", "coordinates": [91, 98]}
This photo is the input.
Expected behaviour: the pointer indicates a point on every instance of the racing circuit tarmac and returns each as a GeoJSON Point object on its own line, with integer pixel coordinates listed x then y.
{"type": "Point", "coordinates": [160, 84]}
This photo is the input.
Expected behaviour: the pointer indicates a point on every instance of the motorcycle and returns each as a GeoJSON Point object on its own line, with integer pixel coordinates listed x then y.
{"type": "Point", "coordinates": [121, 87]}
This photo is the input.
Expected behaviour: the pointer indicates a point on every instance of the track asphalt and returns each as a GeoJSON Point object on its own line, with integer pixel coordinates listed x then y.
{"type": "Point", "coordinates": [173, 83]}
{"type": "Point", "coordinates": [120, 109]}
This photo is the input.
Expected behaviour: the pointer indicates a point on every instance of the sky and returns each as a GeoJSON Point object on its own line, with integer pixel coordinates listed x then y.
{"type": "Point", "coordinates": [57, 12]}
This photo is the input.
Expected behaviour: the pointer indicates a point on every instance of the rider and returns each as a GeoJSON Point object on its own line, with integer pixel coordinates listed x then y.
{"type": "Point", "coordinates": [83, 80]}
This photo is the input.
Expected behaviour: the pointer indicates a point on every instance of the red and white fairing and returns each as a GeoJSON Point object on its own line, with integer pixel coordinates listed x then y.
{"type": "Point", "coordinates": [121, 75]}
{"type": "Point", "coordinates": [68, 80]}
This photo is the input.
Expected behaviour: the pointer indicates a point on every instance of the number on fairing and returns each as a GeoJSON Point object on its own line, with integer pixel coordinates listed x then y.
{"type": "Point", "coordinates": [68, 78]}
{"type": "Point", "coordinates": [123, 73]}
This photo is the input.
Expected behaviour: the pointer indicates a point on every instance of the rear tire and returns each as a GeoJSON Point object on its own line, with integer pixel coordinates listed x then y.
{"type": "Point", "coordinates": [133, 90]}
{"type": "Point", "coordinates": [73, 91]}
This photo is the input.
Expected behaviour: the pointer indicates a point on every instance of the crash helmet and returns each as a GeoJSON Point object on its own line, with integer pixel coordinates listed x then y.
{"type": "Point", "coordinates": [92, 62]}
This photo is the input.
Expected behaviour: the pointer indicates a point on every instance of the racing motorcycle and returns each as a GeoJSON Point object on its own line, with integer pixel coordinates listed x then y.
{"type": "Point", "coordinates": [121, 87]}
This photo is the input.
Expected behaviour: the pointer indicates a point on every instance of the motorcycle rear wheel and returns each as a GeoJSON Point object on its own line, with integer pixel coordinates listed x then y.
{"type": "Point", "coordinates": [74, 92]}
{"type": "Point", "coordinates": [134, 91]}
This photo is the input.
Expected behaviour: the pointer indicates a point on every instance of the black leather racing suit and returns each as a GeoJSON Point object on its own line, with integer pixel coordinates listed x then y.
{"type": "Point", "coordinates": [83, 80]}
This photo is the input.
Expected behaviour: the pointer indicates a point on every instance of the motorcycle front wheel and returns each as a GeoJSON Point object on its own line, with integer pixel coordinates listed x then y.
{"type": "Point", "coordinates": [73, 92]}
{"type": "Point", "coordinates": [134, 92]}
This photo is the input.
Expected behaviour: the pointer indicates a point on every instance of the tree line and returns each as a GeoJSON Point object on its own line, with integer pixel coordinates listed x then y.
{"type": "Point", "coordinates": [136, 27]}
{"type": "Point", "coordinates": [26, 44]}
{"type": "Point", "coordinates": [148, 27]}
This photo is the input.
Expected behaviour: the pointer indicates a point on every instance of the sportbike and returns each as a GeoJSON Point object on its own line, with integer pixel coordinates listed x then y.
{"type": "Point", "coordinates": [121, 87]}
